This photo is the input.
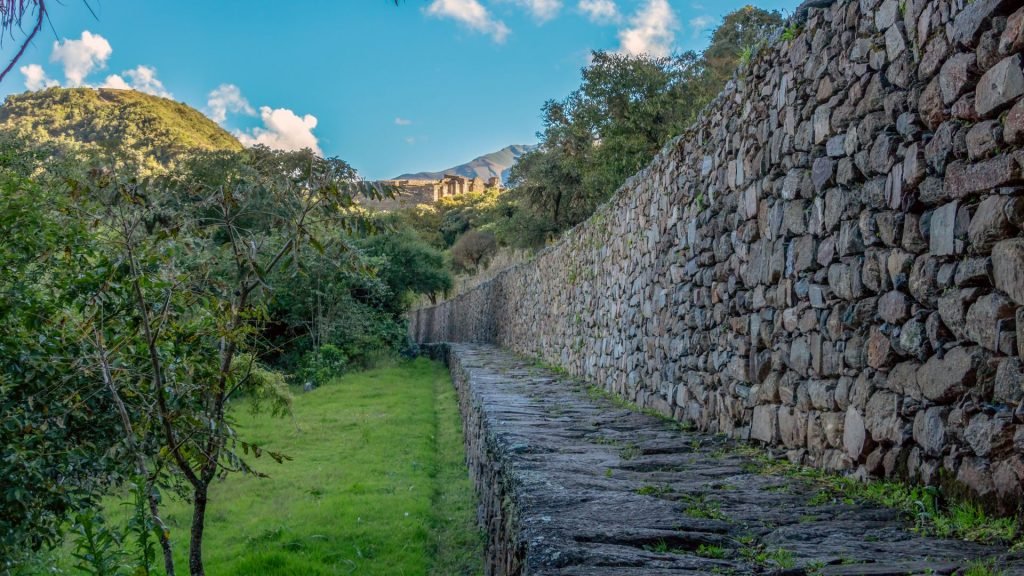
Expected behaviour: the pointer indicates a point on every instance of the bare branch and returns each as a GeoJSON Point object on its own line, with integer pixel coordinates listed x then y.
{"type": "Point", "coordinates": [14, 11]}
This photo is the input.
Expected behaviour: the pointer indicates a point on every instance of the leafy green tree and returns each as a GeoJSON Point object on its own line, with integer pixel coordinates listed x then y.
{"type": "Point", "coordinates": [59, 447]}
{"type": "Point", "coordinates": [335, 299]}
{"type": "Point", "coordinates": [624, 112]}
{"type": "Point", "coordinates": [189, 263]}
{"type": "Point", "coordinates": [745, 28]}
{"type": "Point", "coordinates": [409, 267]}
{"type": "Point", "coordinates": [424, 220]}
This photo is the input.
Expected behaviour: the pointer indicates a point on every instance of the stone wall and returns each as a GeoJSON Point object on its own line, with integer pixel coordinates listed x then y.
{"type": "Point", "coordinates": [831, 260]}
{"type": "Point", "coordinates": [409, 193]}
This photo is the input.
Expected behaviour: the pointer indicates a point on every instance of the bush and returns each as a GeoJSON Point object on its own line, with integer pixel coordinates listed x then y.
{"type": "Point", "coordinates": [318, 366]}
{"type": "Point", "coordinates": [473, 251]}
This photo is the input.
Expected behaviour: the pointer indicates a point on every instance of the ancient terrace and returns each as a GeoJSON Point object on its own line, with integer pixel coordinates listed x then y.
{"type": "Point", "coordinates": [413, 192]}
{"type": "Point", "coordinates": [829, 265]}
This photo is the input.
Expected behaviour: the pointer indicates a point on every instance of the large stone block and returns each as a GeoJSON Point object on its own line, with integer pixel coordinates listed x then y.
{"type": "Point", "coordinates": [1009, 383]}
{"type": "Point", "coordinates": [1008, 268]}
{"type": "Point", "coordinates": [984, 138]}
{"type": "Point", "coordinates": [856, 440]}
{"type": "Point", "coordinates": [930, 430]}
{"type": "Point", "coordinates": [764, 424]}
{"type": "Point", "coordinates": [1000, 86]}
{"type": "Point", "coordinates": [988, 318]}
{"type": "Point", "coordinates": [990, 223]}
{"type": "Point", "coordinates": [882, 418]}
{"type": "Point", "coordinates": [957, 75]}
{"type": "Point", "coordinates": [942, 230]}
{"type": "Point", "coordinates": [1012, 39]}
{"type": "Point", "coordinates": [970, 22]}
{"type": "Point", "coordinates": [953, 306]}
{"type": "Point", "coordinates": [985, 433]}
{"type": "Point", "coordinates": [944, 379]}
{"type": "Point", "coordinates": [1013, 124]}
{"type": "Point", "coordinates": [965, 178]}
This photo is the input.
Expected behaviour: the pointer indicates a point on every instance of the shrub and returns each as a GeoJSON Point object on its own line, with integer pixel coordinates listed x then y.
{"type": "Point", "coordinates": [317, 367]}
{"type": "Point", "coordinates": [473, 250]}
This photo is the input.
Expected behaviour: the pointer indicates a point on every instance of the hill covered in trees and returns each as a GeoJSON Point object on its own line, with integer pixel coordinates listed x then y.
{"type": "Point", "coordinates": [151, 131]}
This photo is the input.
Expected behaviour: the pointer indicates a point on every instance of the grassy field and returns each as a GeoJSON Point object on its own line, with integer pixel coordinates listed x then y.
{"type": "Point", "coordinates": [377, 485]}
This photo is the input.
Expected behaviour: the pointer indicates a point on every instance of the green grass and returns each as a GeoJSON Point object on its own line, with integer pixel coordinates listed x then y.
{"type": "Point", "coordinates": [957, 518]}
{"type": "Point", "coordinates": [377, 486]}
{"type": "Point", "coordinates": [710, 551]}
{"type": "Point", "coordinates": [983, 568]}
{"type": "Point", "coordinates": [698, 506]}
{"type": "Point", "coordinates": [768, 557]}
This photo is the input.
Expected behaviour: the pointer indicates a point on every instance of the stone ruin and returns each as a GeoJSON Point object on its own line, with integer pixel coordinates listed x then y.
{"type": "Point", "coordinates": [413, 192]}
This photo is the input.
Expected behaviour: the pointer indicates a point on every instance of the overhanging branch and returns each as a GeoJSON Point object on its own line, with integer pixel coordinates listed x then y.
{"type": "Point", "coordinates": [16, 19]}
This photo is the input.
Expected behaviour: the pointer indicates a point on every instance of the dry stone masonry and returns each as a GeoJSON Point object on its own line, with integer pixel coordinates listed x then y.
{"type": "Point", "coordinates": [830, 261]}
{"type": "Point", "coordinates": [571, 483]}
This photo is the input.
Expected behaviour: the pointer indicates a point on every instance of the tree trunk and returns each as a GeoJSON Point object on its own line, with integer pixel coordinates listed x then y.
{"type": "Point", "coordinates": [140, 466]}
{"type": "Point", "coordinates": [165, 538]}
{"type": "Point", "coordinates": [195, 545]}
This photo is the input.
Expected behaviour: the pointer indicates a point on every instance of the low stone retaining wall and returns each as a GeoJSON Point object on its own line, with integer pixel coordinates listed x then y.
{"type": "Point", "coordinates": [831, 260]}
{"type": "Point", "coordinates": [572, 484]}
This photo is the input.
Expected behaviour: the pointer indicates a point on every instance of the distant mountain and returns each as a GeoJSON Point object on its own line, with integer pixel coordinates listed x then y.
{"type": "Point", "coordinates": [486, 166]}
{"type": "Point", "coordinates": [152, 129]}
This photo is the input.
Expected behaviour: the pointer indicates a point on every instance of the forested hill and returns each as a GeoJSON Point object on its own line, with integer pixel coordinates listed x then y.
{"type": "Point", "coordinates": [151, 129]}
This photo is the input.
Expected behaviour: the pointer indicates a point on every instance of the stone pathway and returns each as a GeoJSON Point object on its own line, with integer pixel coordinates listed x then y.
{"type": "Point", "coordinates": [573, 483]}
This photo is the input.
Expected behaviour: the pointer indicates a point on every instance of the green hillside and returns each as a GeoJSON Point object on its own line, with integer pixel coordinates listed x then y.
{"type": "Point", "coordinates": [151, 130]}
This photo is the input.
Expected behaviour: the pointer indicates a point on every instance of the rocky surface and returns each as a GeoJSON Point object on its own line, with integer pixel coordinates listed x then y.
{"type": "Point", "coordinates": [572, 483]}
{"type": "Point", "coordinates": [838, 242]}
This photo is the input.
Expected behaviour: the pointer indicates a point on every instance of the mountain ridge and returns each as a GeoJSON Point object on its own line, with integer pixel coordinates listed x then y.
{"type": "Point", "coordinates": [487, 166]}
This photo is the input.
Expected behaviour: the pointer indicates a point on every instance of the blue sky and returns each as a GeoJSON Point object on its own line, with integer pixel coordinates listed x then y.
{"type": "Point", "coordinates": [422, 86]}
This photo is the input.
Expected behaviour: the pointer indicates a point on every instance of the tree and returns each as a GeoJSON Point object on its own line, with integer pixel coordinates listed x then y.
{"type": "Point", "coordinates": [473, 250]}
{"type": "Point", "coordinates": [739, 31]}
{"type": "Point", "coordinates": [59, 441]}
{"type": "Point", "coordinates": [189, 264]}
{"type": "Point", "coordinates": [626, 109]}
{"type": "Point", "coordinates": [409, 267]}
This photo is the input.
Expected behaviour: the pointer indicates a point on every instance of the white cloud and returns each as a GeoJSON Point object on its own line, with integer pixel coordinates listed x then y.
{"type": "Point", "coordinates": [283, 130]}
{"type": "Point", "coordinates": [410, 140]}
{"type": "Point", "coordinates": [81, 57]}
{"type": "Point", "coordinates": [399, 121]}
{"type": "Point", "coordinates": [651, 30]}
{"type": "Point", "coordinates": [600, 11]}
{"type": "Point", "coordinates": [141, 79]}
{"type": "Point", "coordinates": [472, 14]}
{"type": "Point", "coordinates": [36, 79]}
{"type": "Point", "coordinates": [542, 10]}
{"type": "Point", "coordinates": [116, 82]}
{"type": "Point", "coordinates": [224, 99]}
{"type": "Point", "coordinates": [700, 24]}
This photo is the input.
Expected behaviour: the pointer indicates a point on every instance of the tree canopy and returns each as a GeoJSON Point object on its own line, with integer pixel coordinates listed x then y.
{"type": "Point", "coordinates": [626, 109]}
